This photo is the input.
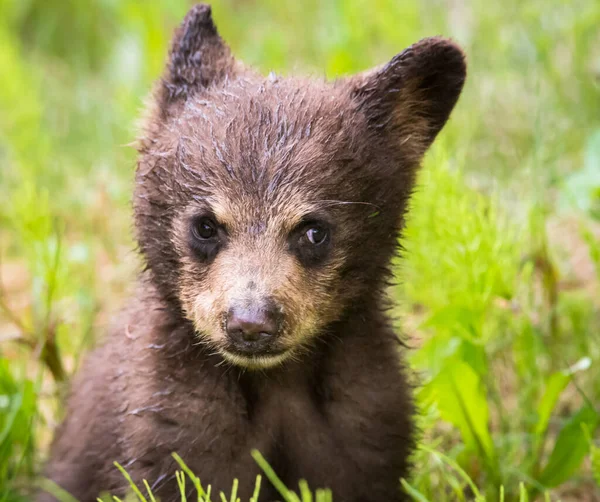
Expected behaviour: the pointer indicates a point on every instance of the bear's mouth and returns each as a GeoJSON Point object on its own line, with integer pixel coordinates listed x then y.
{"type": "Point", "coordinates": [255, 360]}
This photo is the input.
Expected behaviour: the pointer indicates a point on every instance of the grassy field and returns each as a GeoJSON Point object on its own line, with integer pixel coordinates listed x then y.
{"type": "Point", "coordinates": [499, 287]}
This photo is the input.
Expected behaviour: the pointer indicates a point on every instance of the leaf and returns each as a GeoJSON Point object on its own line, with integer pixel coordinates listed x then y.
{"type": "Point", "coordinates": [462, 401]}
{"type": "Point", "coordinates": [554, 387]}
{"type": "Point", "coordinates": [594, 455]}
{"type": "Point", "coordinates": [557, 382]}
{"type": "Point", "coordinates": [570, 449]}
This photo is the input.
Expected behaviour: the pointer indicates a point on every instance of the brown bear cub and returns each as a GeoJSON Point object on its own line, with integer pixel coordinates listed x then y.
{"type": "Point", "coordinates": [267, 211]}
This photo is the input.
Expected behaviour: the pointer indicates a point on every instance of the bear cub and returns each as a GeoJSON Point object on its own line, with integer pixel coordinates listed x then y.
{"type": "Point", "coordinates": [267, 211]}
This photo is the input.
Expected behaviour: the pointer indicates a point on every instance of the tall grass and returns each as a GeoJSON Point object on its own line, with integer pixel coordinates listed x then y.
{"type": "Point", "coordinates": [499, 283]}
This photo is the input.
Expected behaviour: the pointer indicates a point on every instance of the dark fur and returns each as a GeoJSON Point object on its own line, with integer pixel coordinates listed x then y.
{"type": "Point", "coordinates": [338, 413]}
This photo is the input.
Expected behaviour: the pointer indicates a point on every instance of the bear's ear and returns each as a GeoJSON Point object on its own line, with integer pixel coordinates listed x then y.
{"type": "Point", "coordinates": [411, 97]}
{"type": "Point", "coordinates": [198, 58]}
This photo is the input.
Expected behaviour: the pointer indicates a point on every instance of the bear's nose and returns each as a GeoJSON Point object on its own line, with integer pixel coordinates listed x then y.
{"type": "Point", "coordinates": [251, 329]}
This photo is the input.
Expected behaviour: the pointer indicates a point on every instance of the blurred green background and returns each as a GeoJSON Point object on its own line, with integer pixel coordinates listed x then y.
{"type": "Point", "coordinates": [499, 288]}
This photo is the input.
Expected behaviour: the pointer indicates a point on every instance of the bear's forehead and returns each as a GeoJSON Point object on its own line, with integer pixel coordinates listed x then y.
{"type": "Point", "coordinates": [267, 138]}
{"type": "Point", "coordinates": [263, 153]}
{"type": "Point", "coordinates": [267, 106]}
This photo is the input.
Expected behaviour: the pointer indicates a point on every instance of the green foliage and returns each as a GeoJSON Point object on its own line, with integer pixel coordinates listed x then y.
{"type": "Point", "coordinates": [594, 456]}
{"type": "Point", "coordinates": [501, 269]}
{"type": "Point", "coordinates": [570, 448]}
{"type": "Point", "coordinates": [321, 494]}
{"type": "Point", "coordinates": [461, 400]}
{"type": "Point", "coordinates": [18, 402]}
{"type": "Point", "coordinates": [137, 492]}
{"type": "Point", "coordinates": [492, 277]}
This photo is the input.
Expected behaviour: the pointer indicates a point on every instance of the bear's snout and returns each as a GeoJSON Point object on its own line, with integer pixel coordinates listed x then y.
{"type": "Point", "coordinates": [253, 329]}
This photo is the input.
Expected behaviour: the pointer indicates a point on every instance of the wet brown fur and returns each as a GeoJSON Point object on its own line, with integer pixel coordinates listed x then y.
{"type": "Point", "coordinates": [261, 154]}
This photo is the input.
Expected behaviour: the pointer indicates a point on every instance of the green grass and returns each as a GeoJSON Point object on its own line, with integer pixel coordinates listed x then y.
{"type": "Point", "coordinates": [499, 286]}
{"type": "Point", "coordinates": [143, 492]}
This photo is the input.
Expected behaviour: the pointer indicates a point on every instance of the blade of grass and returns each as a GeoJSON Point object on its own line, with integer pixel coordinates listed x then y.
{"type": "Point", "coordinates": [133, 486]}
{"type": "Point", "coordinates": [413, 492]}
{"type": "Point", "coordinates": [256, 489]}
{"type": "Point", "coordinates": [56, 491]}
{"type": "Point", "coordinates": [288, 495]}
{"type": "Point", "coordinates": [193, 478]}
{"type": "Point", "coordinates": [234, 490]}
{"type": "Point", "coordinates": [149, 490]}
{"type": "Point", "coordinates": [305, 493]}
{"type": "Point", "coordinates": [456, 468]}
{"type": "Point", "coordinates": [180, 476]}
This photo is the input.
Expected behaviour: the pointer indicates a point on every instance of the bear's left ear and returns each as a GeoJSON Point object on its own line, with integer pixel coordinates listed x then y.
{"type": "Point", "coordinates": [411, 97]}
{"type": "Point", "coordinates": [198, 58]}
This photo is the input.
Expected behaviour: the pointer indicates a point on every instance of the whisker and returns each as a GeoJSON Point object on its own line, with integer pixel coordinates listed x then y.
{"type": "Point", "coordinates": [348, 202]}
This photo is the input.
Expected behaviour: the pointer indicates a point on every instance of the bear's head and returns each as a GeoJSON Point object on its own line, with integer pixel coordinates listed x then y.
{"type": "Point", "coordinates": [267, 208]}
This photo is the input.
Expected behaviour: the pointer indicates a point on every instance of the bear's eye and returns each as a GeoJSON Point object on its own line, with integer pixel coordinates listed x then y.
{"type": "Point", "coordinates": [206, 237]}
{"type": "Point", "coordinates": [316, 235]}
{"type": "Point", "coordinates": [204, 229]}
{"type": "Point", "coordinates": [311, 242]}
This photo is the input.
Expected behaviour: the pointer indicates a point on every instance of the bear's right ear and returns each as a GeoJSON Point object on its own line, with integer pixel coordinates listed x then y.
{"type": "Point", "coordinates": [410, 98]}
{"type": "Point", "coordinates": [198, 58]}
